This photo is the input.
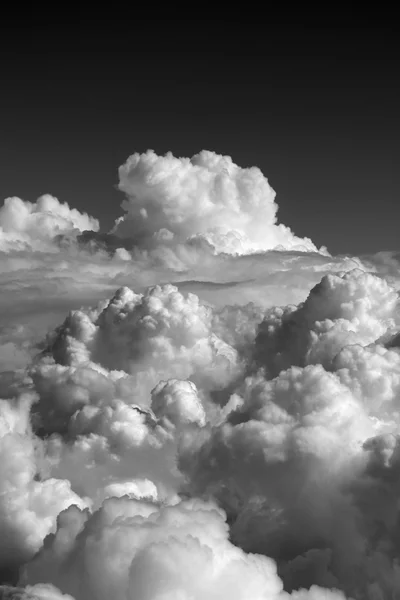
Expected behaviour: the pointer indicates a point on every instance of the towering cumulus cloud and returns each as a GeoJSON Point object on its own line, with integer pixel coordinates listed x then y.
{"type": "Point", "coordinates": [206, 197]}
{"type": "Point", "coordinates": [196, 405]}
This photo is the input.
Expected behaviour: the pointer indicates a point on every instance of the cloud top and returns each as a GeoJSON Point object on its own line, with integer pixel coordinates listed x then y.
{"type": "Point", "coordinates": [206, 197]}
{"type": "Point", "coordinates": [33, 225]}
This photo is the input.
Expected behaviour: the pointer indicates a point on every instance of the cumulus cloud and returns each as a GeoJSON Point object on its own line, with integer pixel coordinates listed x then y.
{"type": "Point", "coordinates": [160, 334]}
{"type": "Point", "coordinates": [207, 197]}
{"type": "Point", "coordinates": [306, 478]}
{"type": "Point", "coordinates": [305, 461]}
{"type": "Point", "coordinates": [178, 402]}
{"type": "Point", "coordinates": [356, 308]}
{"type": "Point", "coordinates": [29, 501]}
{"type": "Point", "coordinates": [42, 591]}
{"type": "Point", "coordinates": [179, 551]}
{"type": "Point", "coordinates": [373, 374]}
{"type": "Point", "coordinates": [197, 404]}
{"type": "Point", "coordinates": [26, 224]}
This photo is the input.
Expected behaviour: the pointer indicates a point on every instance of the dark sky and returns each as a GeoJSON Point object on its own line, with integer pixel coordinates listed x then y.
{"type": "Point", "coordinates": [315, 106]}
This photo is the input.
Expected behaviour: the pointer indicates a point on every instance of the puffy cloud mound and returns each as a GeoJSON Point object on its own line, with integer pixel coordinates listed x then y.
{"type": "Point", "coordinates": [206, 197]}
{"type": "Point", "coordinates": [114, 417]}
{"type": "Point", "coordinates": [306, 462]}
{"type": "Point", "coordinates": [289, 458]}
{"type": "Point", "coordinates": [29, 500]}
{"type": "Point", "coordinates": [355, 308]}
{"type": "Point", "coordinates": [178, 402]}
{"type": "Point", "coordinates": [285, 441]}
{"type": "Point", "coordinates": [141, 551]}
{"type": "Point", "coordinates": [161, 334]}
{"type": "Point", "coordinates": [25, 224]}
{"type": "Point", "coordinates": [373, 374]}
{"type": "Point", "coordinates": [307, 478]}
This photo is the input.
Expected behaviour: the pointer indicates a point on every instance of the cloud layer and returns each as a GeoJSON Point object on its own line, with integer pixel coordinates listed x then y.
{"type": "Point", "coordinates": [197, 404]}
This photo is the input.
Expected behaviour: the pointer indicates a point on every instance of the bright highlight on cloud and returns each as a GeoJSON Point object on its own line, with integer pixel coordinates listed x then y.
{"type": "Point", "coordinates": [206, 197]}
{"type": "Point", "coordinates": [197, 405]}
{"type": "Point", "coordinates": [34, 225]}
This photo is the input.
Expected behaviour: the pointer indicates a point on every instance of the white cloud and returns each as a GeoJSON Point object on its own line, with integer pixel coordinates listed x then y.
{"type": "Point", "coordinates": [356, 308]}
{"type": "Point", "coordinates": [25, 224]}
{"type": "Point", "coordinates": [146, 552]}
{"type": "Point", "coordinates": [207, 196]}
{"type": "Point", "coordinates": [178, 402]}
{"type": "Point", "coordinates": [214, 362]}
{"type": "Point", "coordinates": [29, 501]}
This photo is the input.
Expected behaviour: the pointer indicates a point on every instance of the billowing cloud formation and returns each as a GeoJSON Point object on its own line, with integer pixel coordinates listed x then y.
{"type": "Point", "coordinates": [192, 414]}
{"type": "Point", "coordinates": [141, 551]}
{"type": "Point", "coordinates": [357, 308]}
{"type": "Point", "coordinates": [29, 501]}
{"type": "Point", "coordinates": [152, 336]}
{"type": "Point", "coordinates": [178, 402]}
{"type": "Point", "coordinates": [34, 225]}
{"type": "Point", "coordinates": [206, 197]}
{"type": "Point", "coordinates": [305, 461]}
{"type": "Point", "coordinates": [55, 259]}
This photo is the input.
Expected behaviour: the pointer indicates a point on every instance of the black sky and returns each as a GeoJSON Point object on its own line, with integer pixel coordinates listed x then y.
{"type": "Point", "coordinates": [316, 107]}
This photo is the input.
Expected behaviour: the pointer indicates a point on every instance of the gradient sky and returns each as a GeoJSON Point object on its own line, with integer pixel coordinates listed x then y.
{"type": "Point", "coordinates": [316, 108]}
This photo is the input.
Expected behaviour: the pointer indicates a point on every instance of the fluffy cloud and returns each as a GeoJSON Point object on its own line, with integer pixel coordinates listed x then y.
{"type": "Point", "coordinates": [207, 197]}
{"type": "Point", "coordinates": [34, 225]}
{"type": "Point", "coordinates": [29, 501]}
{"type": "Point", "coordinates": [161, 334]}
{"type": "Point", "coordinates": [216, 388]}
{"type": "Point", "coordinates": [178, 402]}
{"type": "Point", "coordinates": [305, 462]}
{"type": "Point", "coordinates": [131, 549]}
{"type": "Point", "coordinates": [373, 374]}
{"type": "Point", "coordinates": [355, 308]}
{"type": "Point", "coordinates": [306, 478]}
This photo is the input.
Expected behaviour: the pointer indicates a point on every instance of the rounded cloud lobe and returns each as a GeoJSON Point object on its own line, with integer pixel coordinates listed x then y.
{"type": "Point", "coordinates": [185, 432]}
{"type": "Point", "coordinates": [34, 225]}
{"type": "Point", "coordinates": [206, 197]}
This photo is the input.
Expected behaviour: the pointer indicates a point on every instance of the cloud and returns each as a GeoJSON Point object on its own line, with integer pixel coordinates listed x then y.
{"type": "Point", "coordinates": [178, 402]}
{"type": "Point", "coordinates": [373, 374]}
{"type": "Point", "coordinates": [29, 501]}
{"type": "Point", "coordinates": [197, 404]}
{"type": "Point", "coordinates": [25, 224]}
{"type": "Point", "coordinates": [206, 197]}
{"type": "Point", "coordinates": [179, 551]}
{"type": "Point", "coordinates": [160, 334]}
{"type": "Point", "coordinates": [356, 308]}
{"type": "Point", "coordinates": [305, 463]}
